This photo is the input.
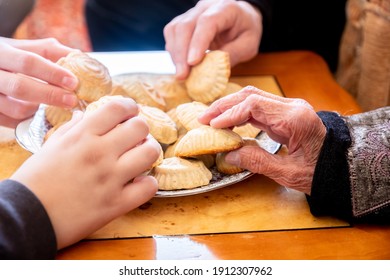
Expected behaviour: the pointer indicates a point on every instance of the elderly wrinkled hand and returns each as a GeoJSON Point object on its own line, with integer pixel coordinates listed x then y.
{"type": "Point", "coordinates": [29, 76]}
{"type": "Point", "coordinates": [91, 170]}
{"type": "Point", "coordinates": [291, 122]}
{"type": "Point", "coordinates": [228, 25]}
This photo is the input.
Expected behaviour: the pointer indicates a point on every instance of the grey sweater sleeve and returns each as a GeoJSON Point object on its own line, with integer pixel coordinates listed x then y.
{"type": "Point", "coordinates": [26, 231]}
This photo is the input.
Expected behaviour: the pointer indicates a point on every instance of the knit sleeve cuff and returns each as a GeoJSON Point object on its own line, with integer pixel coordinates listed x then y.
{"type": "Point", "coordinates": [330, 193]}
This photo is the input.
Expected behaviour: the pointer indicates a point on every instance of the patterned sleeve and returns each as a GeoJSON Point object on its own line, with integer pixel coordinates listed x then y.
{"type": "Point", "coordinates": [352, 176]}
{"type": "Point", "coordinates": [25, 228]}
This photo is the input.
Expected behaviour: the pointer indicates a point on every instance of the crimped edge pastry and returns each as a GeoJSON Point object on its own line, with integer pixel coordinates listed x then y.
{"type": "Point", "coordinates": [173, 91]}
{"type": "Point", "coordinates": [208, 80]}
{"type": "Point", "coordinates": [161, 126]}
{"type": "Point", "coordinates": [227, 168]}
{"type": "Point", "coordinates": [188, 113]}
{"type": "Point", "coordinates": [207, 140]}
{"type": "Point", "coordinates": [176, 173]}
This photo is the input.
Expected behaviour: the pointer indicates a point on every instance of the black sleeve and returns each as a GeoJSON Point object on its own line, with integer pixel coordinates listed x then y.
{"type": "Point", "coordinates": [26, 231]}
{"type": "Point", "coordinates": [330, 193]}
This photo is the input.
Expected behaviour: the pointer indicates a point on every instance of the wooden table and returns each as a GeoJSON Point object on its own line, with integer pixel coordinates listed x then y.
{"type": "Point", "coordinates": [299, 74]}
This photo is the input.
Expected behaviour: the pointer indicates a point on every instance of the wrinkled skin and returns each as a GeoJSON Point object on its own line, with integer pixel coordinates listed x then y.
{"type": "Point", "coordinates": [291, 122]}
{"type": "Point", "coordinates": [228, 25]}
{"type": "Point", "coordinates": [90, 170]}
{"type": "Point", "coordinates": [29, 76]}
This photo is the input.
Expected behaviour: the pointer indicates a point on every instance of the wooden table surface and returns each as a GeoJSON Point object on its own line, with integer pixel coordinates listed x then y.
{"type": "Point", "coordinates": [299, 74]}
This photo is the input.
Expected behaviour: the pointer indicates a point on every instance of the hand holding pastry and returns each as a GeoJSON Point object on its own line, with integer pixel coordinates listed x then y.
{"type": "Point", "coordinates": [228, 25]}
{"type": "Point", "coordinates": [95, 163]}
{"type": "Point", "coordinates": [33, 77]}
{"type": "Point", "coordinates": [292, 122]}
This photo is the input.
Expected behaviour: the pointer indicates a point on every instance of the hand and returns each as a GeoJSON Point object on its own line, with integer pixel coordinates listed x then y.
{"type": "Point", "coordinates": [228, 25]}
{"type": "Point", "coordinates": [29, 76]}
{"type": "Point", "coordinates": [90, 170]}
{"type": "Point", "coordinates": [291, 122]}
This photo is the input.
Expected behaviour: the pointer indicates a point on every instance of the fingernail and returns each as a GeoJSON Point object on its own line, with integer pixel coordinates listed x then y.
{"type": "Point", "coordinates": [69, 100]}
{"type": "Point", "coordinates": [233, 158]}
{"type": "Point", "coordinates": [179, 70]}
{"type": "Point", "coordinates": [192, 57]}
{"type": "Point", "coordinates": [70, 83]}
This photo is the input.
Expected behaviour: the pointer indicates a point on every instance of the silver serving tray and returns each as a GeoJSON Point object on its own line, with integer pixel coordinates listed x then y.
{"type": "Point", "coordinates": [30, 135]}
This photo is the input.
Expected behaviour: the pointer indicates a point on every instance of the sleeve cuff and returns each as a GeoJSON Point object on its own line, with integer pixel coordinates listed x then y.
{"type": "Point", "coordinates": [29, 233]}
{"type": "Point", "coordinates": [330, 193]}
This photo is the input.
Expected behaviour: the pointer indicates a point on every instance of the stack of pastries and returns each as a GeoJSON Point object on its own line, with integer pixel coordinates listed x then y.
{"type": "Point", "coordinates": [190, 150]}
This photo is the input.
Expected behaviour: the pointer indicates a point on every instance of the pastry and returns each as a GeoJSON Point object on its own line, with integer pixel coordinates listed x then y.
{"type": "Point", "coordinates": [231, 88]}
{"type": "Point", "coordinates": [161, 126]}
{"type": "Point", "coordinates": [101, 101]}
{"type": "Point", "coordinates": [226, 168]}
{"type": "Point", "coordinates": [94, 78]}
{"type": "Point", "coordinates": [144, 93]}
{"type": "Point", "coordinates": [188, 113]}
{"type": "Point", "coordinates": [207, 140]}
{"type": "Point", "coordinates": [247, 130]}
{"type": "Point", "coordinates": [173, 91]}
{"type": "Point", "coordinates": [176, 173]}
{"type": "Point", "coordinates": [208, 80]}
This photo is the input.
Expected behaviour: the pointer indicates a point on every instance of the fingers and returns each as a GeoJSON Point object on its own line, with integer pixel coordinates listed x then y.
{"type": "Point", "coordinates": [146, 154]}
{"type": "Point", "coordinates": [128, 134]}
{"type": "Point", "coordinates": [248, 103]}
{"type": "Point", "coordinates": [284, 170]}
{"type": "Point", "coordinates": [76, 118]}
{"type": "Point", "coordinates": [27, 89]}
{"type": "Point", "coordinates": [141, 190]}
{"type": "Point", "coordinates": [178, 34]}
{"type": "Point", "coordinates": [225, 103]}
{"type": "Point", "coordinates": [108, 116]}
{"type": "Point", "coordinates": [48, 48]}
{"type": "Point", "coordinates": [14, 111]}
{"type": "Point", "coordinates": [33, 65]}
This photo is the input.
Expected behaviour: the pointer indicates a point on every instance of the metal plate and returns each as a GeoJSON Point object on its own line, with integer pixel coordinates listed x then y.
{"type": "Point", "coordinates": [30, 135]}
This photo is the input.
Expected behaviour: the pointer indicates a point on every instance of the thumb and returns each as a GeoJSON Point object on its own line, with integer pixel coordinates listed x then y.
{"type": "Point", "coordinates": [283, 169]}
{"type": "Point", "coordinates": [254, 159]}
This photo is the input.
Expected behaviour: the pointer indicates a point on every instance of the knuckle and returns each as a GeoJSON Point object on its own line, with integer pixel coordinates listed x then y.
{"type": "Point", "coordinates": [15, 87]}
{"type": "Point", "coordinates": [26, 62]}
{"type": "Point", "coordinates": [21, 111]}
{"type": "Point", "coordinates": [51, 41]}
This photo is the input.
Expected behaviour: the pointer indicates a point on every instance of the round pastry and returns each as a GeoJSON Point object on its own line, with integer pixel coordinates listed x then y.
{"type": "Point", "coordinates": [94, 78]}
{"type": "Point", "coordinates": [145, 94]}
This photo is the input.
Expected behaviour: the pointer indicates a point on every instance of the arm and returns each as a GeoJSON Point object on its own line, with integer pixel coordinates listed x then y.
{"type": "Point", "coordinates": [352, 177]}
{"type": "Point", "coordinates": [26, 231]}
{"type": "Point", "coordinates": [90, 171]}
{"type": "Point", "coordinates": [341, 164]}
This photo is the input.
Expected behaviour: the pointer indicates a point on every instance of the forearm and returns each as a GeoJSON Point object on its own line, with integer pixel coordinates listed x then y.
{"type": "Point", "coordinates": [26, 231]}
